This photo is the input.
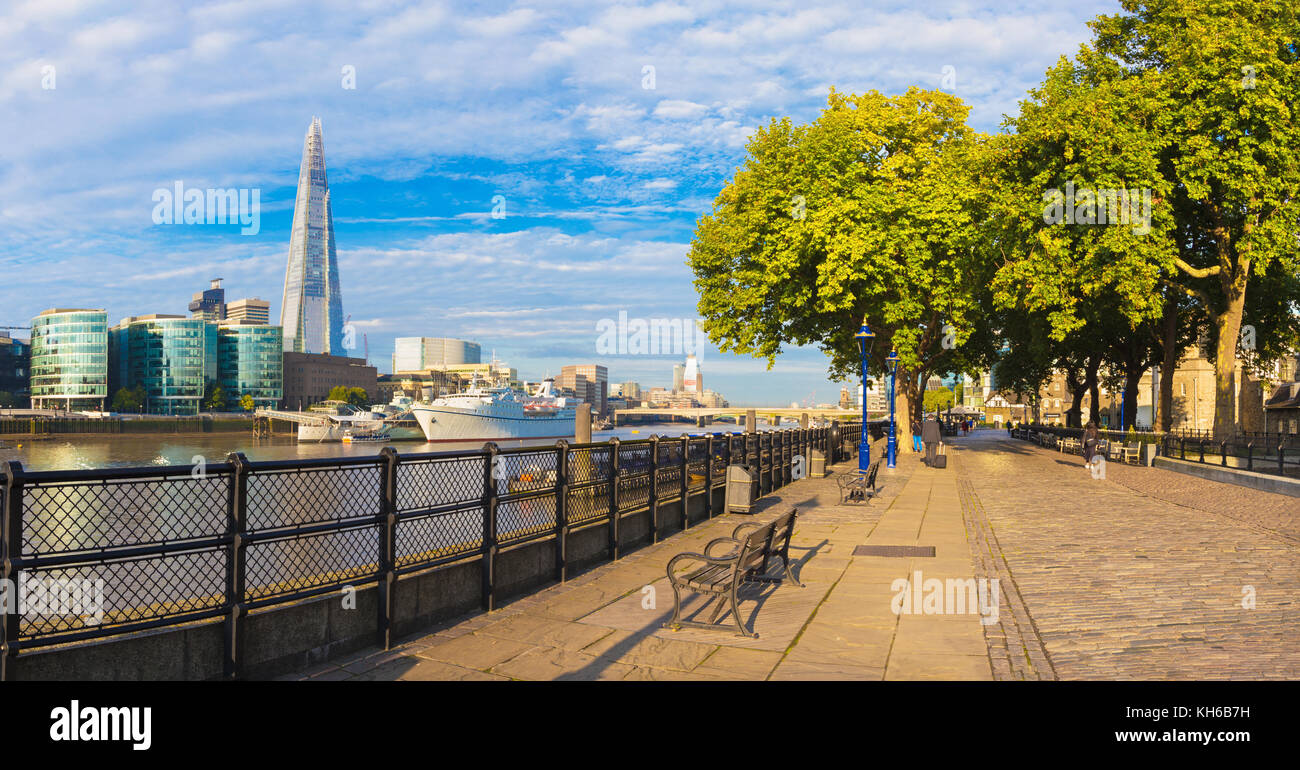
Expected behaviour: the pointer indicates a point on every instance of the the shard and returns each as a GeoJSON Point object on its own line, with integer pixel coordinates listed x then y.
{"type": "Point", "coordinates": [312, 310]}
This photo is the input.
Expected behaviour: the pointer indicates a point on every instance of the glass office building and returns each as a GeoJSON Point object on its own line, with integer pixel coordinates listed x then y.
{"type": "Point", "coordinates": [251, 362]}
{"type": "Point", "coordinates": [312, 310]}
{"type": "Point", "coordinates": [173, 357]}
{"type": "Point", "coordinates": [69, 355]}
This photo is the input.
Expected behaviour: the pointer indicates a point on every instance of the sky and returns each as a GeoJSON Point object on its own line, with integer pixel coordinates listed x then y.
{"type": "Point", "coordinates": [509, 173]}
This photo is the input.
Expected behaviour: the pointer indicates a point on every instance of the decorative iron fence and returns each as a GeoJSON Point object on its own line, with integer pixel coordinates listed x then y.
{"type": "Point", "coordinates": [180, 544]}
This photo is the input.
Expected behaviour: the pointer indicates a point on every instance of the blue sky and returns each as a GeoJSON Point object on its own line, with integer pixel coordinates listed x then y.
{"type": "Point", "coordinates": [543, 104]}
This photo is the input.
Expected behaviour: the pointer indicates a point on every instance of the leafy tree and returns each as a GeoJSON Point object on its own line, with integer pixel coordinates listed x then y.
{"type": "Point", "coordinates": [872, 212]}
{"type": "Point", "coordinates": [353, 396]}
{"type": "Point", "coordinates": [214, 397]}
{"type": "Point", "coordinates": [129, 399]}
{"type": "Point", "coordinates": [937, 400]}
{"type": "Point", "coordinates": [246, 403]}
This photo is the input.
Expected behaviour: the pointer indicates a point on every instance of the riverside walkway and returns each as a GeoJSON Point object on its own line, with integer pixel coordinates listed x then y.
{"type": "Point", "coordinates": [1142, 575]}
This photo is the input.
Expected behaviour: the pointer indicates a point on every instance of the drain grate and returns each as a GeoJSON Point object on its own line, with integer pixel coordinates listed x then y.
{"type": "Point", "coordinates": [894, 550]}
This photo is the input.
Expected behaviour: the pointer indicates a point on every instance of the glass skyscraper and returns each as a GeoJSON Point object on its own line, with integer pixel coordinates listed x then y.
{"type": "Point", "coordinates": [312, 310]}
{"type": "Point", "coordinates": [173, 357]}
{"type": "Point", "coordinates": [69, 359]}
{"type": "Point", "coordinates": [251, 362]}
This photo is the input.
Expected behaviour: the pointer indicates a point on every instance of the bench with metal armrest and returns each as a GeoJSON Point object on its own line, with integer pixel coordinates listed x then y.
{"type": "Point", "coordinates": [856, 487]}
{"type": "Point", "coordinates": [746, 560]}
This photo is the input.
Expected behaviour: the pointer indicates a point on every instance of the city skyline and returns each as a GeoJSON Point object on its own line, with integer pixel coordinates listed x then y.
{"type": "Point", "coordinates": [516, 204]}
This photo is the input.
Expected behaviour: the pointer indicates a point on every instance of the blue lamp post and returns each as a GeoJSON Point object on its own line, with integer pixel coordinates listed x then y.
{"type": "Point", "coordinates": [866, 338]}
{"type": "Point", "coordinates": [891, 448]}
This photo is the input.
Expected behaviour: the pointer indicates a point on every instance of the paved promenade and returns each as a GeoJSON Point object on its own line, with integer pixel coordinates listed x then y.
{"type": "Point", "coordinates": [1138, 576]}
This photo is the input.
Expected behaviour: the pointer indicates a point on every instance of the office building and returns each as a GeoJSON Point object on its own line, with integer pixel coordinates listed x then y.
{"type": "Point", "coordinates": [692, 377]}
{"type": "Point", "coordinates": [589, 383]}
{"type": "Point", "coordinates": [171, 356]}
{"type": "Point", "coordinates": [15, 370]}
{"type": "Point", "coordinates": [679, 378]}
{"type": "Point", "coordinates": [209, 305]}
{"type": "Point", "coordinates": [69, 355]}
{"type": "Point", "coordinates": [416, 354]}
{"type": "Point", "coordinates": [309, 377]}
{"type": "Point", "coordinates": [251, 310]}
{"type": "Point", "coordinates": [312, 308]}
{"type": "Point", "coordinates": [250, 362]}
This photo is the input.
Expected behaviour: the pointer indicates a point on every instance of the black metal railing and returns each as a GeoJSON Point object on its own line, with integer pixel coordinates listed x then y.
{"type": "Point", "coordinates": [179, 544]}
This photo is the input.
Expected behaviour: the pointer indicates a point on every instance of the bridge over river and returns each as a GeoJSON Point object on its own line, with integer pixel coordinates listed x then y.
{"type": "Point", "coordinates": [774, 415]}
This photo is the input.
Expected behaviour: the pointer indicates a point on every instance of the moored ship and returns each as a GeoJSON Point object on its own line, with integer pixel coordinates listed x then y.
{"type": "Point", "coordinates": [491, 414]}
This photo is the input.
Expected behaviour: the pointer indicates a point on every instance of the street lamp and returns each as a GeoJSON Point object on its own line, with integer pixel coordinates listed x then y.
{"type": "Point", "coordinates": [891, 447]}
{"type": "Point", "coordinates": [866, 338]}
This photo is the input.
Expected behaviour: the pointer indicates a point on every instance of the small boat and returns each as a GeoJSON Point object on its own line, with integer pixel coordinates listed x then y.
{"type": "Point", "coordinates": [365, 438]}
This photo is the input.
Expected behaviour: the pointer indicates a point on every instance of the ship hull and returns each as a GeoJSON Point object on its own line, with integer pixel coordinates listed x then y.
{"type": "Point", "coordinates": [454, 424]}
{"type": "Point", "coordinates": [334, 432]}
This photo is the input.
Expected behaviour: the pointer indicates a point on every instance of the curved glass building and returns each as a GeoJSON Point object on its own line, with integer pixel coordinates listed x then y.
{"type": "Point", "coordinates": [69, 352]}
{"type": "Point", "coordinates": [251, 362]}
{"type": "Point", "coordinates": [312, 310]}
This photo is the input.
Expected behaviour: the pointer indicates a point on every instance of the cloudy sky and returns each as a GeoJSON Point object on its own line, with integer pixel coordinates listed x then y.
{"type": "Point", "coordinates": [597, 132]}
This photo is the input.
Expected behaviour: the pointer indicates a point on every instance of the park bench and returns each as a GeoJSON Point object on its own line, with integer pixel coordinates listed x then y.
{"type": "Point", "coordinates": [1132, 450]}
{"type": "Point", "coordinates": [746, 560]}
{"type": "Point", "coordinates": [857, 488]}
{"type": "Point", "coordinates": [1071, 445]}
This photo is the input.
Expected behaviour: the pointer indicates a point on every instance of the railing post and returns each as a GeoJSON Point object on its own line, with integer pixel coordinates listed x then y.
{"type": "Point", "coordinates": [11, 551]}
{"type": "Point", "coordinates": [489, 526]}
{"type": "Point", "coordinates": [1182, 447]}
{"type": "Point", "coordinates": [1250, 455]}
{"type": "Point", "coordinates": [387, 582]}
{"type": "Point", "coordinates": [1202, 448]}
{"type": "Point", "coordinates": [1281, 462]}
{"type": "Point", "coordinates": [686, 481]}
{"type": "Point", "coordinates": [613, 497]}
{"type": "Point", "coordinates": [561, 510]}
{"type": "Point", "coordinates": [236, 564]}
{"type": "Point", "coordinates": [1223, 453]}
{"type": "Point", "coordinates": [708, 477]}
{"type": "Point", "coordinates": [653, 499]}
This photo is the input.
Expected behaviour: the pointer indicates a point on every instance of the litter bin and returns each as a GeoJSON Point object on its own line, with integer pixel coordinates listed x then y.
{"type": "Point", "coordinates": [742, 482]}
{"type": "Point", "coordinates": [817, 465]}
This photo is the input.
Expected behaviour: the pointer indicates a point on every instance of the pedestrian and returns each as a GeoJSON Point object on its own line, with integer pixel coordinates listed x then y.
{"type": "Point", "coordinates": [1089, 442]}
{"type": "Point", "coordinates": [916, 436]}
{"type": "Point", "coordinates": [931, 434]}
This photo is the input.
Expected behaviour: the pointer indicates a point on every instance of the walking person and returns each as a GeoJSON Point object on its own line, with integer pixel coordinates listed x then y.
{"type": "Point", "coordinates": [931, 434]}
{"type": "Point", "coordinates": [1089, 442]}
{"type": "Point", "coordinates": [916, 436]}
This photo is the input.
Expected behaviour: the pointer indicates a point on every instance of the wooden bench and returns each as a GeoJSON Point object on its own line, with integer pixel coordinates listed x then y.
{"type": "Point", "coordinates": [1132, 450]}
{"type": "Point", "coordinates": [746, 560]}
{"type": "Point", "coordinates": [856, 488]}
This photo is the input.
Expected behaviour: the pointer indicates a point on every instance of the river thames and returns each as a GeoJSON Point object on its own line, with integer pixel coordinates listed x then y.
{"type": "Point", "coordinates": [60, 452]}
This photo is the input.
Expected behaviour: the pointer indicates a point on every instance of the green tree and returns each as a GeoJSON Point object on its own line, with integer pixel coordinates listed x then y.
{"type": "Point", "coordinates": [129, 399]}
{"type": "Point", "coordinates": [1224, 86]}
{"type": "Point", "coordinates": [938, 399]}
{"type": "Point", "coordinates": [214, 397]}
{"type": "Point", "coordinates": [353, 396]}
{"type": "Point", "coordinates": [246, 403]}
{"type": "Point", "coordinates": [872, 211]}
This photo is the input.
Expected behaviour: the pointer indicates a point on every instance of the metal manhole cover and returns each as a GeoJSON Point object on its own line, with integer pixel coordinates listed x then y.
{"type": "Point", "coordinates": [894, 550]}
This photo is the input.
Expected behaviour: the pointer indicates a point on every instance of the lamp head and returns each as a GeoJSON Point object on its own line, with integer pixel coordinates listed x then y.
{"type": "Point", "coordinates": [865, 336]}
{"type": "Point", "coordinates": [892, 361]}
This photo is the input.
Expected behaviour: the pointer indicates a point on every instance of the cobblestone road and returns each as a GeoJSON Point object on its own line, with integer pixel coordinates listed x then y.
{"type": "Point", "coordinates": [1141, 575]}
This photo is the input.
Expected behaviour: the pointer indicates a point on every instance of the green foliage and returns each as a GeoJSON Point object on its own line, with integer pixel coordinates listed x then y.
{"type": "Point", "coordinates": [129, 399]}
{"type": "Point", "coordinates": [353, 396]}
{"type": "Point", "coordinates": [246, 403]}
{"type": "Point", "coordinates": [214, 397]}
{"type": "Point", "coordinates": [937, 400]}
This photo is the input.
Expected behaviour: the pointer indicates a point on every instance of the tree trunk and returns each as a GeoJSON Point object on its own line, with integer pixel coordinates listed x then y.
{"type": "Point", "coordinates": [1132, 378]}
{"type": "Point", "coordinates": [1090, 384]}
{"type": "Point", "coordinates": [1225, 358]}
{"type": "Point", "coordinates": [1168, 362]}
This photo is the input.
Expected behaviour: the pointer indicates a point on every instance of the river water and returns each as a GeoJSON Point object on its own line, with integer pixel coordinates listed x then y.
{"type": "Point", "coordinates": [127, 450]}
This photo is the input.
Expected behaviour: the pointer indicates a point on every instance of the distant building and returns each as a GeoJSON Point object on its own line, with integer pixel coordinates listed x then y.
{"type": "Point", "coordinates": [251, 310]}
{"type": "Point", "coordinates": [309, 377]}
{"type": "Point", "coordinates": [15, 369]}
{"type": "Point", "coordinates": [679, 378]}
{"type": "Point", "coordinates": [311, 310]}
{"type": "Point", "coordinates": [692, 378]}
{"type": "Point", "coordinates": [628, 390]}
{"type": "Point", "coordinates": [415, 354]}
{"type": "Point", "coordinates": [250, 362]}
{"type": "Point", "coordinates": [590, 383]}
{"type": "Point", "coordinates": [209, 305]}
{"type": "Point", "coordinates": [172, 357]}
{"type": "Point", "coordinates": [69, 354]}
